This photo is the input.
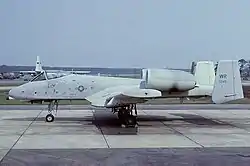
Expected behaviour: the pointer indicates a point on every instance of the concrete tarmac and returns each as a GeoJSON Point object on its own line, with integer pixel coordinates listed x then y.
{"type": "Point", "coordinates": [6, 88]}
{"type": "Point", "coordinates": [90, 136]}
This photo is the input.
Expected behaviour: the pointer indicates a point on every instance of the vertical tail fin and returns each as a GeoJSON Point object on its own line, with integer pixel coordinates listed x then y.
{"type": "Point", "coordinates": [204, 72]}
{"type": "Point", "coordinates": [227, 86]}
{"type": "Point", "coordinates": [38, 65]}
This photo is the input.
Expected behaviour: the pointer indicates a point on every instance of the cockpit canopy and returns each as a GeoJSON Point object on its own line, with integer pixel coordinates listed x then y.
{"type": "Point", "coordinates": [47, 76]}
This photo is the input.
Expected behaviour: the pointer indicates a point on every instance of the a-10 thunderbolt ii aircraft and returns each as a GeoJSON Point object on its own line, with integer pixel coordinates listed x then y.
{"type": "Point", "coordinates": [122, 94]}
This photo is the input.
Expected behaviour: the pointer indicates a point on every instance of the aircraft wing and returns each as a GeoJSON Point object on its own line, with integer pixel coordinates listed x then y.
{"type": "Point", "coordinates": [122, 95]}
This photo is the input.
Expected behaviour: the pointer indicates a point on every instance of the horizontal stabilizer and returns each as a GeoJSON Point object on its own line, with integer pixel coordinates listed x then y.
{"type": "Point", "coordinates": [227, 86]}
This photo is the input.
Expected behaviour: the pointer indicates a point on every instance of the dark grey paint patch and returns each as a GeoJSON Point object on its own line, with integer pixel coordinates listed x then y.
{"type": "Point", "coordinates": [117, 157]}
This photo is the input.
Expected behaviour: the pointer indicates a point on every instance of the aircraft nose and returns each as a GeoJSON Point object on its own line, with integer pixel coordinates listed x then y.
{"type": "Point", "coordinates": [15, 92]}
{"type": "Point", "coordinates": [12, 92]}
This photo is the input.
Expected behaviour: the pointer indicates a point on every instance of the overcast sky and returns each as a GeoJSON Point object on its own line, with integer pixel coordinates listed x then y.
{"type": "Point", "coordinates": [123, 33]}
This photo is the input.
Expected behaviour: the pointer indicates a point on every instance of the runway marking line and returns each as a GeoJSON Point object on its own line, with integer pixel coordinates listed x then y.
{"type": "Point", "coordinates": [21, 136]}
{"type": "Point", "coordinates": [98, 126]}
{"type": "Point", "coordinates": [179, 132]}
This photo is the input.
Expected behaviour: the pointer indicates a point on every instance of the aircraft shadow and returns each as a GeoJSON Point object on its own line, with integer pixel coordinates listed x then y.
{"type": "Point", "coordinates": [108, 123]}
{"type": "Point", "coordinates": [198, 120]}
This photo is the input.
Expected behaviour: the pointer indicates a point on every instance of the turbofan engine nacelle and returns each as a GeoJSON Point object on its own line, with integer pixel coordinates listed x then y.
{"type": "Point", "coordinates": [168, 80]}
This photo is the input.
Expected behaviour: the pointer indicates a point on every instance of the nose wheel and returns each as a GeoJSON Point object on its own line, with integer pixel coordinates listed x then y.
{"type": "Point", "coordinates": [50, 118]}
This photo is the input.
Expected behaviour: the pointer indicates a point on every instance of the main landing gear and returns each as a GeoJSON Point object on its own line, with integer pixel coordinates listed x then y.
{"type": "Point", "coordinates": [52, 107]}
{"type": "Point", "coordinates": [125, 115]}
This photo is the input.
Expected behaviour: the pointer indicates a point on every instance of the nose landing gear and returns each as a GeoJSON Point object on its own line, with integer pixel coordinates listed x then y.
{"type": "Point", "coordinates": [52, 107]}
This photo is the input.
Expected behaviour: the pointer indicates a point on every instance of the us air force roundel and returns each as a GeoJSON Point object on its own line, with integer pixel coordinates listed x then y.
{"type": "Point", "coordinates": [80, 88]}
